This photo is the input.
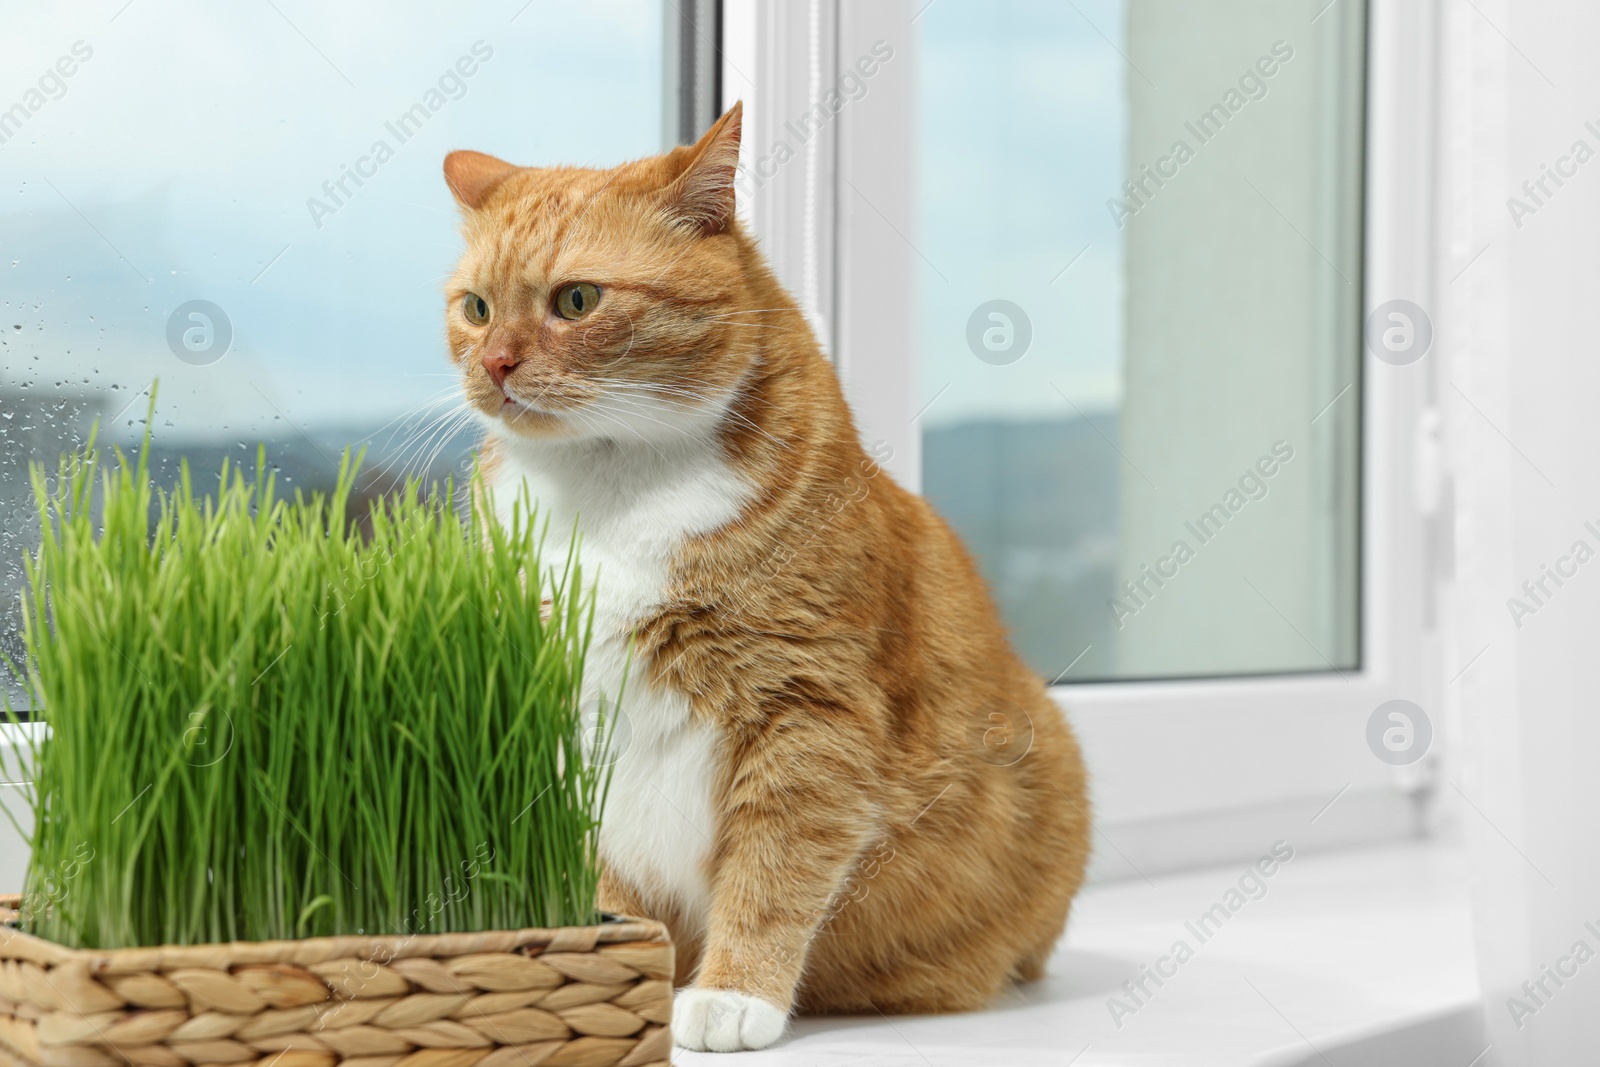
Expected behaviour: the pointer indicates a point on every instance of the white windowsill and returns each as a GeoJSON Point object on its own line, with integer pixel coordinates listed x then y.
{"type": "Point", "coordinates": [1367, 954]}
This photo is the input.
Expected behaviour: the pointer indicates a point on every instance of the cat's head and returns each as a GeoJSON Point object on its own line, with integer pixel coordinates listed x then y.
{"type": "Point", "coordinates": [599, 303]}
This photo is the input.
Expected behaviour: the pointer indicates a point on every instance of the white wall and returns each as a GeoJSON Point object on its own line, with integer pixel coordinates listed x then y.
{"type": "Point", "coordinates": [1517, 379]}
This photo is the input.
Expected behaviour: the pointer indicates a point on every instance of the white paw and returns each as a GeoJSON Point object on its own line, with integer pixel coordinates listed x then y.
{"type": "Point", "coordinates": [720, 1020]}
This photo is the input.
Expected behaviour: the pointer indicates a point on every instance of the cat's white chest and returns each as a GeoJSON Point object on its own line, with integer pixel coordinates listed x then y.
{"type": "Point", "coordinates": [659, 819]}
{"type": "Point", "coordinates": [632, 514]}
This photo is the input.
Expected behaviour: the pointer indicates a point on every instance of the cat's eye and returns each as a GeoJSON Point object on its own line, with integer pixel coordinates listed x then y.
{"type": "Point", "coordinates": [476, 309]}
{"type": "Point", "coordinates": [576, 300]}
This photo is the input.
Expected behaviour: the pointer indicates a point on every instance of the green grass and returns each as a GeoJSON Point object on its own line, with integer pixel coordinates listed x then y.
{"type": "Point", "coordinates": [265, 723]}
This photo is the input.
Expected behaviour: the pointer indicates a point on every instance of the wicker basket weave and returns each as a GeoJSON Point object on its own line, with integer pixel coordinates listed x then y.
{"type": "Point", "coordinates": [582, 996]}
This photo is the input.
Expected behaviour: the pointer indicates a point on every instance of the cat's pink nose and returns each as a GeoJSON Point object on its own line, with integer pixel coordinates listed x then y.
{"type": "Point", "coordinates": [500, 361]}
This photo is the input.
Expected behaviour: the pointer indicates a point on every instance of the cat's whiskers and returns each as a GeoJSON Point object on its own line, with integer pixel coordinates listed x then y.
{"type": "Point", "coordinates": [749, 311]}
{"type": "Point", "coordinates": [729, 414]}
{"type": "Point", "coordinates": [751, 325]}
{"type": "Point", "coordinates": [650, 389]}
{"type": "Point", "coordinates": [421, 448]}
{"type": "Point", "coordinates": [459, 422]}
{"type": "Point", "coordinates": [728, 411]}
{"type": "Point", "coordinates": [640, 407]}
{"type": "Point", "coordinates": [644, 391]}
{"type": "Point", "coordinates": [415, 425]}
{"type": "Point", "coordinates": [598, 410]}
{"type": "Point", "coordinates": [681, 380]}
{"type": "Point", "coordinates": [635, 412]}
{"type": "Point", "coordinates": [418, 462]}
{"type": "Point", "coordinates": [416, 410]}
{"type": "Point", "coordinates": [730, 318]}
{"type": "Point", "coordinates": [593, 428]}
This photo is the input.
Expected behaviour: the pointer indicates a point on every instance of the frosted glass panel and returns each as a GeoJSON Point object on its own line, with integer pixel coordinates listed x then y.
{"type": "Point", "coordinates": [1140, 324]}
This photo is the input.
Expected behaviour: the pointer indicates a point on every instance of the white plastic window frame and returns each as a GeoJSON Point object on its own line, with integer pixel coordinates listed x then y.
{"type": "Point", "coordinates": [1190, 772]}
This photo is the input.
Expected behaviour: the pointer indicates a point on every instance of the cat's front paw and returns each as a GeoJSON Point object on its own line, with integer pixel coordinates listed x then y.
{"type": "Point", "coordinates": [721, 1020]}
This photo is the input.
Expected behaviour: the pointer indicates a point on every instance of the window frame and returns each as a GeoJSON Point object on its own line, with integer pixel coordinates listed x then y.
{"type": "Point", "coordinates": [1184, 772]}
{"type": "Point", "coordinates": [1190, 771]}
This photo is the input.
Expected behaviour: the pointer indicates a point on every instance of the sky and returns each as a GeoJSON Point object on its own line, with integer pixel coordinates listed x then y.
{"type": "Point", "coordinates": [177, 162]}
{"type": "Point", "coordinates": [1022, 133]}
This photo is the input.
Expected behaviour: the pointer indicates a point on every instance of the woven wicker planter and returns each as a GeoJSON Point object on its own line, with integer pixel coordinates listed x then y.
{"type": "Point", "coordinates": [585, 996]}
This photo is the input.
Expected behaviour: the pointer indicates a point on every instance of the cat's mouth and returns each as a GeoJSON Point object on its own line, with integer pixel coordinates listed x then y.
{"type": "Point", "coordinates": [540, 411]}
{"type": "Point", "coordinates": [516, 405]}
{"type": "Point", "coordinates": [523, 405]}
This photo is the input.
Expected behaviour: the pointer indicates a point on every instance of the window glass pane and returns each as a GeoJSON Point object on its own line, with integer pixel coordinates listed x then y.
{"type": "Point", "coordinates": [1140, 325]}
{"type": "Point", "coordinates": [282, 163]}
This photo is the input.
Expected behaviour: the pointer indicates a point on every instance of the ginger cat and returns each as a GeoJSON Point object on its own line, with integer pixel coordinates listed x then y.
{"type": "Point", "coordinates": [838, 785]}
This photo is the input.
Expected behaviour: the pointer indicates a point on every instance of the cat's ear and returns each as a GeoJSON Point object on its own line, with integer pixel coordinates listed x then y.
{"type": "Point", "coordinates": [472, 176]}
{"type": "Point", "coordinates": [702, 195]}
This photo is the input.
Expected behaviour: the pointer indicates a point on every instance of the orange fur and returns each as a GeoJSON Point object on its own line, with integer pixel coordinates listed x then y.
{"type": "Point", "coordinates": [878, 844]}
